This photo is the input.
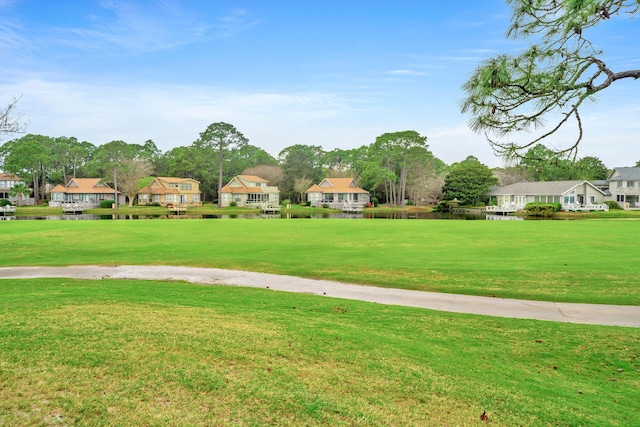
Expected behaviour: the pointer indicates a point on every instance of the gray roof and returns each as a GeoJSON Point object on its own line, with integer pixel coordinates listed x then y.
{"type": "Point", "coordinates": [624, 174]}
{"type": "Point", "coordinates": [547, 188]}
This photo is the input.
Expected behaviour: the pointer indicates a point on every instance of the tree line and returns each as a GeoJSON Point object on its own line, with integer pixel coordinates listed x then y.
{"type": "Point", "coordinates": [395, 168]}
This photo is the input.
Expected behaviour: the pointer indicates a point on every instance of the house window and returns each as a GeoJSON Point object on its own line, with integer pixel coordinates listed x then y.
{"type": "Point", "coordinates": [569, 200]}
{"type": "Point", "coordinates": [156, 198]}
{"type": "Point", "coordinates": [620, 198]}
{"type": "Point", "coordinates": [619, 184]}
{"type": "Point", "coordinates": [196, 197]}
{"type": "Point", "coordinates": [592, 200]}
{"type": "Point", "coordinates": [630, 183]}
{"type": "Point", "coordinates": [185, 186]}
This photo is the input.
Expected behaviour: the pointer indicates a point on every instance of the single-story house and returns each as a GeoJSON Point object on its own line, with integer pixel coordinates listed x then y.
{"type": "Point", "coordinates": [337, 193]}
{"type": "Point", "coordinates": [624, 186]}
{"type": "Point", "coordinates": [572, 195]}
{"type": "Point", "coordinates": [91, 191]}
{"type": "Point", "coordinates": [7, 182]}
{"type": "Point", "coordinates": [170, 190]}
{"type": "Point", "coordinates": [250, 191]}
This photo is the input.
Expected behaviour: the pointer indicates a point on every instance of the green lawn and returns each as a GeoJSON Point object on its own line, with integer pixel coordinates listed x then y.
{"type": "Point", "coordinates": [571, 261]}
{"type": "Point", "coordinates": [164, 353]}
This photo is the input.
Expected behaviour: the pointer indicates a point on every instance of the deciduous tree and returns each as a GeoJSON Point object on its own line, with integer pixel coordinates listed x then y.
{"type": "Point", "coordinates": [551, 79]}
{"type": "Point", "coordinates": [10, 121]}
{"type": "Point", "coordinates": [130, 172]}
{"type": "Point", "coordinates": [273, 174]}
{"type": "Point", "coordinates": [301, 185]}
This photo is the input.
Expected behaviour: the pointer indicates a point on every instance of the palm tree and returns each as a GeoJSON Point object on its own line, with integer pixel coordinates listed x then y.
{"type": "Point", "coordinates": [19, 190]}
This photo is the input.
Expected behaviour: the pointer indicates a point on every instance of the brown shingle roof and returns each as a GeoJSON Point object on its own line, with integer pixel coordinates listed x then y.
{"type": "Point", "coordinates": [83, 186]}
{"type": "Point", "coordinates": [252, 178]}
{"type": "Point", "coordinates": [337, 185]}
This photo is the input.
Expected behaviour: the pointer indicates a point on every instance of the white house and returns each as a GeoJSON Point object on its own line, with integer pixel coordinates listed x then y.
{"type": "Point", "coordinates": [572, 195]}
{"type": "Point", "coordinates": [337, 193]}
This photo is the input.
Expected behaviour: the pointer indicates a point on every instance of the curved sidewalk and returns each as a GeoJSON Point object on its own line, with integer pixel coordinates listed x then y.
{"type": "Point", "coordinates": [609, 315]}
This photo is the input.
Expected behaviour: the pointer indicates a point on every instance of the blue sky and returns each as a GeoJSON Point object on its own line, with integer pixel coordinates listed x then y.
{"type": "Point", "coordinates": [317, 72]}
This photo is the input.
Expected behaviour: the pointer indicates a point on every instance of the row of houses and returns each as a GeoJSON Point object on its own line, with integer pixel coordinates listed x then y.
{"type": "Point", "coordinates": [242, 190]}
{"type": "Point", "coordinates": [622, 186]}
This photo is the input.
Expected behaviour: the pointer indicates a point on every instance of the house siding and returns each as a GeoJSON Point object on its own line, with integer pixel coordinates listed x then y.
{"type": "Point", "coordinates": [624, 186]}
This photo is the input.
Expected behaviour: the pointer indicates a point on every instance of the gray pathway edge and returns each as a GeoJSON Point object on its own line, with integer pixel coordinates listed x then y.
{"type": "Point", "coordinates": [595, 314]}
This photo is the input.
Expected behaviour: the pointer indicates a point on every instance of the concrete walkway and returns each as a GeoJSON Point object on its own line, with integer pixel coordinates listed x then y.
{"type": "Point", "coordinates": [596, 314]}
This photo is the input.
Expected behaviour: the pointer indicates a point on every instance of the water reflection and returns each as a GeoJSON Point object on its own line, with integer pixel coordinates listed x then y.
{"type": "Point", "coordinates": [296, 215]}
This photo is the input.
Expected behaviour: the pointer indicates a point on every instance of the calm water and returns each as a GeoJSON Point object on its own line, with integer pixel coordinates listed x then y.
{"type": "Point", "coordinates": [378, 215]}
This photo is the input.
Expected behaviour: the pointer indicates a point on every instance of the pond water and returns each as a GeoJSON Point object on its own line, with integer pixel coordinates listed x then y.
{"type": "Point", "coordinates": [368, 215]}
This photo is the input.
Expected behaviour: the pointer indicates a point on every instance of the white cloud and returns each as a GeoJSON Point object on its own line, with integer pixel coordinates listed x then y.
{"type": "Point", "coordinates": [131, 27]}
{"type": "Point", "coordinates": [174, 115]}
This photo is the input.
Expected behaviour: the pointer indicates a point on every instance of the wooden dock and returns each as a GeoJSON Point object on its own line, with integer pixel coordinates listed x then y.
{"type": "Point", "coordinates": [348, 207]}
{"type": "Point", "coordinates": [74, 207]}
{"type": "Point", "coordinates": [503, 210]}
{"type": "Point", "coordinates": [270, 208]}
{"type": "Point", "coordinates": [177, 209]}
{"type": "Point", "coordinates": [7, 210]}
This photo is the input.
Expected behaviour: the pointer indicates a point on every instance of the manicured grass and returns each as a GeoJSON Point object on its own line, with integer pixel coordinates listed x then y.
{"type": "Point", "coordinates": [158, 353]}
{"type": "Point", "coordinates": [570, 261]}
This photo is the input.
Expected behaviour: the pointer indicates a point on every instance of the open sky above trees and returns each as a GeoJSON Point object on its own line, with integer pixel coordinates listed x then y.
{"type": "Point", "coordinates": [334, 74]}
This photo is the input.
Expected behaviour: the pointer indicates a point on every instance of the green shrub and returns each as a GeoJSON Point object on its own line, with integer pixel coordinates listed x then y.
{"type": "Point", "coordinates": [233, 204]}
{"type": "Point", "coordinates": [307, 203]}
{"type": "Point", "coordinates": [106, 204]}
{"type": "Point", "coordinates": [325, 205]}
{"type": "Point", "coordinates": [374, 202]}
{"type": "Point", "coordinates": [612, 204]}
{"type": "Point", "coordinates": [542, 209]}
{"type": "Point", "coordinates": [5, 202]}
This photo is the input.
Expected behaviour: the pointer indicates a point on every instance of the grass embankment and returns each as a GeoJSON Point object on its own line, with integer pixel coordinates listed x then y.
{"type": "Point", "coordinates": [206, 209]}
{"type": "Point", "coordinates": [569, 261]}
{"type": "Point", "coordinates": [157, 353]}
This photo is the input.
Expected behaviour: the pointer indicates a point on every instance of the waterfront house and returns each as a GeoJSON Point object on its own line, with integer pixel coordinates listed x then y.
{"type": "Point", "coordinates": [624, 186]}
{"type": "Point", "coordinates": [7, 182]}
{"type": "Point", "coordinates": [338, 193]}
{"type": "Point", "coordinates": [250, 191]}
{"type": "Point", "coordinates": [88, 191]}
{"type": "Point", "coordinates": [572, 195]}
{"type": "Point", "coordinates": [169, 191]}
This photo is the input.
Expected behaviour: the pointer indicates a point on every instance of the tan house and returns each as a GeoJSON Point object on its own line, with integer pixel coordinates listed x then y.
{"type": "Point", "coordinates": [7, 182]}
{"type": "Point", "coordinates": [250, 191]}
{"type": "Point", "coordinates": [338, 193]}
{"type": "Point", "coordinates": [170, 191]}
{"type": "Point", "coordinates": [90, 191]}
